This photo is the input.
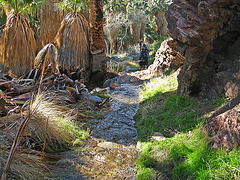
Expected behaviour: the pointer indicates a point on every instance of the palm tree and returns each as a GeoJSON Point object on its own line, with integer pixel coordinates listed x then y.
{"type": "Point", "coordinates": [18, 42]}
{"type": "Point", "coordinates": [115, 19]}
{"type": "Point", "coordinates": [50, 17]}
{"type": "Point", "coordinates": [72, 39]}
{"type": "Point", "coordinates": [99, 63]}
{"type": "Point", "coordinates": [137, 18]}
{"type": "Point", "coordinates": [158, 8]}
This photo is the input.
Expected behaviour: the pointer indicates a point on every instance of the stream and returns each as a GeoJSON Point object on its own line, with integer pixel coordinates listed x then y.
{"type": "Point", "coordinates": [110, 151]}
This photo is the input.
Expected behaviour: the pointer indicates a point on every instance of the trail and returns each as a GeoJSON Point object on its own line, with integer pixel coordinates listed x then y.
{"type": "Point", "coordinates": [111, 151]}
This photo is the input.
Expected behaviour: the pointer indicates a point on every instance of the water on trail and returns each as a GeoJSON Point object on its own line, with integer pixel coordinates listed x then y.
{"type": "Point", "coordinates": [110, 152]}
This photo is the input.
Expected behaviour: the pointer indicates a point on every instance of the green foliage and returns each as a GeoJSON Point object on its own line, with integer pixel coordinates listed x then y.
{"type": "Point", "coordinates": [73, 5]}
{"type": "Point", "coordinates": [156, 5]}
{"type": "Point", "coordinates": [138, 11]}
{"type": "Point", "coordinates": [195, 160]}
{"type": "Point", "coordinates": [220, 101]}
{"type": "Point", "coordinates": [76, 129]}
{"type": "Point", "coordinates": [158, 85]}
{"type": "Point", "coordinates": [17, 5]}
{"type": "Point", "coordinates": [114, 6]}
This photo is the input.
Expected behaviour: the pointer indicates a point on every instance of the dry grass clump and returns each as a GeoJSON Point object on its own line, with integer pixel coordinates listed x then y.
{"type": "Point", "coordinates": [18, 45]}
{"type": "Point", "coordinates": [49, 125]}
{"type": "Point", "coordinates": [73, 43]}
{"type": "Point", "coordinates": [47, 57]}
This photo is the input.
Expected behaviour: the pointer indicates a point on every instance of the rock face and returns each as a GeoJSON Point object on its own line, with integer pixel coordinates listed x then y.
{"type": "Point", "coordinates": [210, 34]}
{"type": "Point", "coordinates": [169, 56]}
{"type": "Point", "coordinates": [225, 129]}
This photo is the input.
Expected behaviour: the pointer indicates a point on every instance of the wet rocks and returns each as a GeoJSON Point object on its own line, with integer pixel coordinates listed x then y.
{"type": "Point", "coordinates": [123, 79]}
{"type": "Point", "coordinates": [118, 125]}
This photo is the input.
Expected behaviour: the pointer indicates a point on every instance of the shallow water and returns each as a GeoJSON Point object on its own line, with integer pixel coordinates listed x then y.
{"type": "Point", "coordinates": [110, 152]}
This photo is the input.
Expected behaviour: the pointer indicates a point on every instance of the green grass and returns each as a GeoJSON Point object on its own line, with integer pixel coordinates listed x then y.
{"type": "Point", "coordinates": [185, 154]}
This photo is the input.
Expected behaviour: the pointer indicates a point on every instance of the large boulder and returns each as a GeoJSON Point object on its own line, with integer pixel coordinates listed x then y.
{"type": "Point", "coordinates": [210, 32]}
{"type": "Point", "coordinates": [169, 56]}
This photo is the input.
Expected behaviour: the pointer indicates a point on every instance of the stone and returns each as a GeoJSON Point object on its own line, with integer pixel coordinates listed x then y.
{"type": "Point", "coordinates": [158, 137]}
{"type": "Point", "coordinates": [93, 99]}
{"type": "Point", "coordinates": [224, 129]}
{"type": "Point", "coordinates": [113, 86]}
{"type": "Point", "coordinates": [209, 35]}
{"type": "Point", "coordinates": [108, 145]}
{"type": "Point", "coordinates": [167, 57]}
{"type": "Point", "coordinates": [99, 90]}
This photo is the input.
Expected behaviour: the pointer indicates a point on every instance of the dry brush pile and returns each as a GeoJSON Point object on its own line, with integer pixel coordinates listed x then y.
{"type": "Point", "coordinates": [32, 123]}
{"type": "Point", "coordinates": [43, 124]}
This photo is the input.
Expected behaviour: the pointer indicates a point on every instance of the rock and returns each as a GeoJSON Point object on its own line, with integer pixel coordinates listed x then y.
{"type": "Point", "coordinates": [93, 99]}
{"type": "Point", "coordinates": [224, 129]}
{"type": "Point", "coordinates": [123, 79]}
{"type": "Point", "coordinates": [158, 137]}
{"type": "Point", "coordinates": [231, 90]}
{"type": "Point", "coordinates": [108, 145]}
{"type": "Point", "coordinates": [208, 32]}
{"type": "Point", "coordinates": [113, 86]}
{"type": "Point", "coordinates": [98, 90]}
{"type": "Point", "coordinates": [167, 57]}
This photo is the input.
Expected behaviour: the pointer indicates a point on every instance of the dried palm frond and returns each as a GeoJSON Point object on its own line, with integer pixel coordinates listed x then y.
{"type": "Point", "coordinates": [50, 17]}
{"type": "Point", "coordinates": [47, 57]}
{"type": "Point", "coordinates": [72, 41]}
{"type": "Point", "coordinates": [25, 165]}
{"type": "Point", "coordinates": [18, 45]}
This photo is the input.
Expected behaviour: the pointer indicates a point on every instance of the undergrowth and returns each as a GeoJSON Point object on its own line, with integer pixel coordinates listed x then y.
{"type": "Point", "coordinates": [185, 154]}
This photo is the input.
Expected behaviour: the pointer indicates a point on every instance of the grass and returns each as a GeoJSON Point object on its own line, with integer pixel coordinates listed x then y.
{"type": "Point", "coordinates": [185, 154]}
{"type": "Point", "coordinates": [115, 67]}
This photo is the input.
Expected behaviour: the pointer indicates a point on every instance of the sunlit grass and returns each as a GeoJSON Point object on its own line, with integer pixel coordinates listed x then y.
{"type": "Point", "coordinates": [185, 154]}
{"type": "Point", "coordinates": [115, 67]}
{"type": "Point", "coordinates": [159, 85]}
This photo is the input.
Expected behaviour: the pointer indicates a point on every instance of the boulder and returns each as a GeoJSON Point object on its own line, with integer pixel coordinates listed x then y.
{"type": "Point", "coordinates": [210, 35]}
{"type": "Point", "coordinates": [167, 57]}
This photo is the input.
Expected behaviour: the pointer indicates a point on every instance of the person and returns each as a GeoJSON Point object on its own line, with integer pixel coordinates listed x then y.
{"type": "Point", "coordinates": [144, 55]}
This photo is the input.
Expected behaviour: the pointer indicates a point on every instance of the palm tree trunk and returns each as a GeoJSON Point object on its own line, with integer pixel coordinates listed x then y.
{"type": "Point", "coordinates": [161, 22]}
{"type": "Point", "coordinates": [135, 33]}
{"type": "Point", "coordinates": [99, 65]}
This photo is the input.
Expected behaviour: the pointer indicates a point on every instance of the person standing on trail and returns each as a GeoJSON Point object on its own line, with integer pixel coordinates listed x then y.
{"type": "Point", "coordinates": [144, 55]}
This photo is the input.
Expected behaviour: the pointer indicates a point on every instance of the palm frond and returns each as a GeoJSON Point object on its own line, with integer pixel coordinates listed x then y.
{"type": "Point", "coordinates": [18, 45]}
{"type": "Point", "coordinates": [50, 17]}
{"type": "Point", "coordinates": [73, 43]}
{"type": "Point", "coordinates": [73, 5]}
{"type": "Point", "coordinates": [47, 56]}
